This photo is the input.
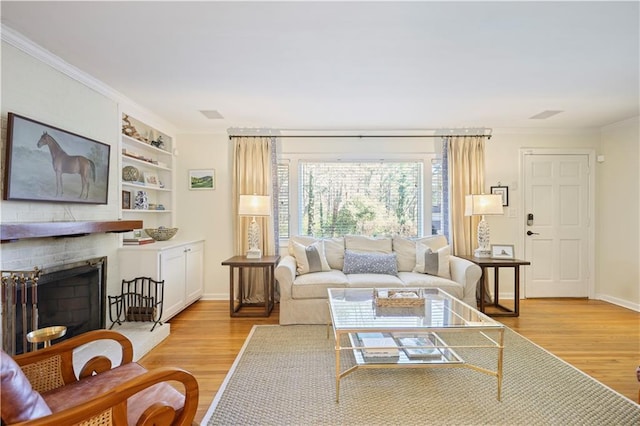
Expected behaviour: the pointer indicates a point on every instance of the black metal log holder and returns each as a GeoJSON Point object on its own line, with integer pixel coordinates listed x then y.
{"type": "Point", "coordinates": [141, 299]}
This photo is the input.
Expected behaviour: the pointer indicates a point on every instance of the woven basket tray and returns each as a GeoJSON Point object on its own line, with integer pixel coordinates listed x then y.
{"type": "Point", "coordinates": [395, 298]}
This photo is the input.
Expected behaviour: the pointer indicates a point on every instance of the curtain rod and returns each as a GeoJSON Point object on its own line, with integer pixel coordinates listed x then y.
{"type": "Point", "coordinates": [361, 136]}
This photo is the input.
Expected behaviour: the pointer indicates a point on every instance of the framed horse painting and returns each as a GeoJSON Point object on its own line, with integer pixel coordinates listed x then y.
{"type": "Point", "coordinates": [45, 163]}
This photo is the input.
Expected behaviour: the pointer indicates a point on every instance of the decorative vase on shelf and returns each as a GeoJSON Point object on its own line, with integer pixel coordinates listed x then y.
{"type": "Point", "coordinates": [142, 201]}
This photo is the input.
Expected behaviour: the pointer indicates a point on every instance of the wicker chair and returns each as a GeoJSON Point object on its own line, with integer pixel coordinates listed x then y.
{"type": "Point", "coordinates": [41, 388]}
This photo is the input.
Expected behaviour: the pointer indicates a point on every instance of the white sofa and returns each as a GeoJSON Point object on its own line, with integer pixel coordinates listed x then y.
{"type": "Point", "coordinates": [314, 265]}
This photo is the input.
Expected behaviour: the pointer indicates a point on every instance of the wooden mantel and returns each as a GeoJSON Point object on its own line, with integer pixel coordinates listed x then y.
{"type": "Point", "coordinates": [16, 231]}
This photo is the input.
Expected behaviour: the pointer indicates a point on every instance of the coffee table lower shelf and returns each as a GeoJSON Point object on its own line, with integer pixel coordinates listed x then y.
{"type": "Point", "coordinates": [411, 356]}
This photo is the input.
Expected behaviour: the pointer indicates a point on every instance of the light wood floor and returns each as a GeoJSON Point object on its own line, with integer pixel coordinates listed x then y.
{"type": "Point", "coordinates": [601, 339]}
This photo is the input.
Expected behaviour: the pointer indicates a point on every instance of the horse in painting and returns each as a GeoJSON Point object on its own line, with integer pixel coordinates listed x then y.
{"type": "Point", "coordinates": [70, 164]}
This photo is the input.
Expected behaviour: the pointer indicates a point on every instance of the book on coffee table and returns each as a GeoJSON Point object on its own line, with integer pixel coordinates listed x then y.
{"type": "Point", "coordinates": [419, 347]}
{"type": "Point", "coordinates": [378, 347]}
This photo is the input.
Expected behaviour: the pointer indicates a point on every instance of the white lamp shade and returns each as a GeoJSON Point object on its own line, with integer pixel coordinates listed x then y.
{"type": "Point", "coordinates": [482, 204]}
{"type": "Point", "coordinates": [254, 205]}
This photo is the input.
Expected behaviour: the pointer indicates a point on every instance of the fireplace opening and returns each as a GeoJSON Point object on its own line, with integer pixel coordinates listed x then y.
{"type": "Point", "coordinates": [70, 295]}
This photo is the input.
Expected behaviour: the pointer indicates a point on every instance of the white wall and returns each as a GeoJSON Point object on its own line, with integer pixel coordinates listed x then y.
{"type": "Point", "coordinates": [618, 210]}
{"type": "Point", "coordinates": [207, 214]}
{"type": "Point", "coordinates": [35, 90]}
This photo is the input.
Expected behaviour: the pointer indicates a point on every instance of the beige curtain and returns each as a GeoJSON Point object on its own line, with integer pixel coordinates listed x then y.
{"type": "Point", "coordinates": [252, 174]}
{"type": "Point", "coordinates": [466, 176]}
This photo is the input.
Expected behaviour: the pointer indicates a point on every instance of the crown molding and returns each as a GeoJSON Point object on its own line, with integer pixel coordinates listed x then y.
{"type": "Point", "coordinates": [29, 47]}
{"type": "Point", "coordinates": [19, 41]}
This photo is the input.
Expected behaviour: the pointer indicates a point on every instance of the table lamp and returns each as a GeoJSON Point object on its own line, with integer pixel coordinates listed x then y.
{"type": "Point", "coordinates": [482, 205]}
{"type": "Point", "coordinates": [254, 205]}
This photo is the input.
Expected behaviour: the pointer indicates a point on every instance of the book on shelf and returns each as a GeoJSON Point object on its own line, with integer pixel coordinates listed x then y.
{"type": "Point", "coordinates": [137, 241]}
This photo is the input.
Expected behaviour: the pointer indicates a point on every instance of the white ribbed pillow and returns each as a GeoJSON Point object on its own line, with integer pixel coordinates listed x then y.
{"type": "Point", "coordinates": [432, 262]}
{"type": "Point", "coordinates": [310, 258]}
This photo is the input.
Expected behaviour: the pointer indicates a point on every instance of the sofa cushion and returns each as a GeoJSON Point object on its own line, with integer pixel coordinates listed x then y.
{"type": "Point", "coordinates": [415, 279]}
{"type": "Point", "coordinates": [405, 250]}
{"type": "Point", "coordinates": [362, 244]}
{"type": "Point", "coordinates": [370, 263]}
{"type": "Point", "coordinates": [432, 262]}
{"type": "Point", "coordinates": [19, 402]}
{"type": "Point", "coordinates": [374, 281]}
{"type": "Point", "coordinates": [310, 258]}
{"type": "Point", "coordinates": [314, 286]}
{"type": "Point", "coordinates": [333, 248]}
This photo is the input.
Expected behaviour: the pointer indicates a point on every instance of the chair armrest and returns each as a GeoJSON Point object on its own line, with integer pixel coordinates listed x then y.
{"type": "Point", "coordinates": [114, 401]}
{"type": "Point", "coordinates": [285, 274]}
{"type": "Point", "coordinates": [466, 273]}
{"type": "Point", "coordinates": [58, 358]}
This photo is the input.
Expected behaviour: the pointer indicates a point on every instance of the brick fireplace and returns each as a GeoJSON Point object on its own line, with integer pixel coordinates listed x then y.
{"type": "Point", "coordinates": [52, 245]}
{"type": "Point", "coordinates": [71, 295]}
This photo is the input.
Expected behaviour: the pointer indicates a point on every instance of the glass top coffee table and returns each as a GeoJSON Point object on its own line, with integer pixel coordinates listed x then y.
{"type": "Point", "coordinates": [411, 328]}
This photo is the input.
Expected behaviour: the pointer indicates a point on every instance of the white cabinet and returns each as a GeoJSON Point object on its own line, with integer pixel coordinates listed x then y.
{"type": "Point", "coordinates": [179, 264]}
{"type": "Point", "coordinates": [147, 177]}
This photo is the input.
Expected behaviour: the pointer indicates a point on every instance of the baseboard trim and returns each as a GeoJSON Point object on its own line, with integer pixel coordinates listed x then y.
{"type": "Point", "coordinates": [620, 302]}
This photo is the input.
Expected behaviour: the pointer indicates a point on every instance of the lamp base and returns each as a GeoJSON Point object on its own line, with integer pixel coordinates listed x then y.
{"type": "Point", "coordinates": [481, 253]}
{"type": "Point", "coordinates": [254, 253]}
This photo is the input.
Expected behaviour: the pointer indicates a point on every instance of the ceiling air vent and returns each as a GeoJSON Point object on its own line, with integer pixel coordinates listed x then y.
{"type": "Point", "coordinates": [212, 114]}
{"type": "Point", "coordinates": [546, 114]}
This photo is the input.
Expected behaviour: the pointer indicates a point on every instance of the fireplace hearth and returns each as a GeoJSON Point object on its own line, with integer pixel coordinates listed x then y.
{"type": "Point", "coordinates": [71, 295]}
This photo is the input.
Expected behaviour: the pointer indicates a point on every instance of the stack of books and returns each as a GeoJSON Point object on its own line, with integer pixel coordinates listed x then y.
{"type": "Point", "coordinates": [378, 347]}
{"type": "Point", "coordinates": [137, 241]}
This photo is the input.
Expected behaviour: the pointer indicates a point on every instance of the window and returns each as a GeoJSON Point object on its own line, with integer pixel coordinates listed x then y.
{"type": "Point", "coordinates": [365, 198]}
{"type": "Point", "coordinates": [438, 222]}
{"type": "Point", "coordinates": [283, 200]}
{"type": "Point", "coordinates": [327, 197]}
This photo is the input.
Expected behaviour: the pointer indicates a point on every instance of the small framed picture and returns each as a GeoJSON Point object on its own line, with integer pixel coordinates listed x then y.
{"type": "Point", "coordinates": [502, 251]}
{"type": "Point", "coordinates": [202, 179]}
{"type": "Point", "coordinates": [151, 179]}
{"type": "Point", "coordinates": [503, 191]}
{"type": "Point", "coordinates": [126, 200]}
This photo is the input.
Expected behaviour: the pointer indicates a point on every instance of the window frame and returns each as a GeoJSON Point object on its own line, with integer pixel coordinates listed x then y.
{"type": "Point", "coordinates": [293, 160]}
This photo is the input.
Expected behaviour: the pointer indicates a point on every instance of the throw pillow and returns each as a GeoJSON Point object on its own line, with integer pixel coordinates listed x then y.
{"type": "Point", "coordinates": [370, 263]}
{"type": "Point", "coordinates": [432, 262]}
{"type": "Point", "coordinates": [310, 258]}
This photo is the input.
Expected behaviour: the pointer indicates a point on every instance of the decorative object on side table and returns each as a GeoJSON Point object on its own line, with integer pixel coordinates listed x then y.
{"type": "Point", "coordinates": [141, 201]}
{"type": "Point", "coordinates": [161, 233]}
{"type": "Point", "coordinates": [482, 205]}
{"type": "Point", "coordinates": [502, 251]}
{"type": "Point", "coordinates": [254, 205]}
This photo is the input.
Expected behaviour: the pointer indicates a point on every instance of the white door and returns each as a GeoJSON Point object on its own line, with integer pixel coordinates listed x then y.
{"type": "Point", "coordinates": [557, 215]}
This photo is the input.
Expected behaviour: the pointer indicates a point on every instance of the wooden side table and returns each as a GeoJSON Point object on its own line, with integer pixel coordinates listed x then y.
{"type": "Point", "coordinates": [241, 263]}
{"type": "Point", "coordinates": [486, 262]}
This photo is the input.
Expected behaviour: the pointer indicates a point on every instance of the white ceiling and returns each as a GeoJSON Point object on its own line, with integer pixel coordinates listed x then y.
{"type": "Point", "coordinates": [352, 65]}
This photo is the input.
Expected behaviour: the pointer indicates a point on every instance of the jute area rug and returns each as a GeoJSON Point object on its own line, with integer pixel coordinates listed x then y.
{"type": "Point", "coordinates": [285, 375]}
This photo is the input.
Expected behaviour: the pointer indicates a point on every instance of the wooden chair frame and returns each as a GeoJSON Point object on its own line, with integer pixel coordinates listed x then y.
{"type": "Point", "coordinates": [52, 367]}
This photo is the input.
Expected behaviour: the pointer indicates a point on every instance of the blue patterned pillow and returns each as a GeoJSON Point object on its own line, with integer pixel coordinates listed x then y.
{"type": "Point", "coordinates": [370, 263]}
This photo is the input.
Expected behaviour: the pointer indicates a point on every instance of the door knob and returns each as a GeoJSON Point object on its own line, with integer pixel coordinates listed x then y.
{"type": "Point", "coordinates": [532, 233]}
